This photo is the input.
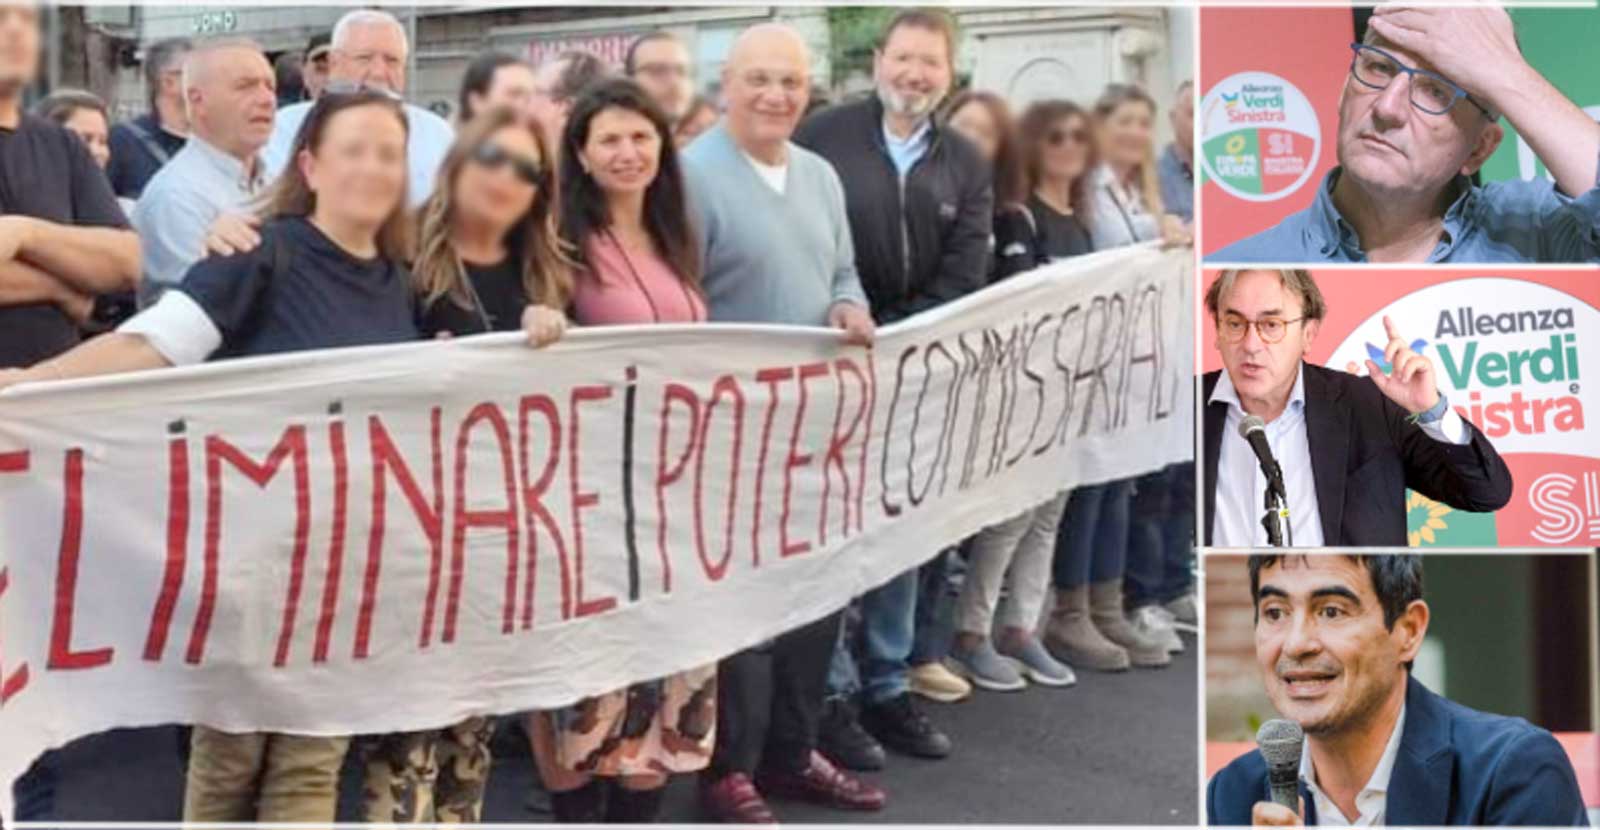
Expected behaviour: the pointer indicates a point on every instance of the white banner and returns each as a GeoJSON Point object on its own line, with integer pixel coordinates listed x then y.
{"type": "Point", "coordinates": [394, 538]}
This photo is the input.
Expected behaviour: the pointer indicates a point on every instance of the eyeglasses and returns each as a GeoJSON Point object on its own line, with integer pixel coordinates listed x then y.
{"type": "Point", "coordinates": [1234, 328]}
{"type": "Point", "coordinates": [493, 157]}
{"type": "Point", "coordinates": [1056, 138]}
{"type": "Point", "coordinates": [1431, 92]}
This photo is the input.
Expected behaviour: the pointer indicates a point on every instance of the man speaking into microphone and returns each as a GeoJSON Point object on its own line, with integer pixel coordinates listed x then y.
{"type": "Point", "coordinates": [1335, 637]}
{"type": "Point", "coordinates": [1324, 457]}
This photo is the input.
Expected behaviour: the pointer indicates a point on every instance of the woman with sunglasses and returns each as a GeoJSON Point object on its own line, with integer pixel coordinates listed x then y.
{"type": "Point", "coordinates": [1058, 161]}
{"type": "Point", "coordinates": [488, 259]}
{"type": "Point", "coordinates": [607, 758]}
{"type": "Point", "coordinates": [1088, 625]}
{"type": "Point", "coordinates": [1036, 173]}
{"type": "Point", "coordinates": [340, 206]}
{"type": "Point", "coordinates": [488, 250]}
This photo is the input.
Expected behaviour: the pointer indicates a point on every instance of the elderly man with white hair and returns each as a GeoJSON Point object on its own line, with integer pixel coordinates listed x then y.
{"type": "Point", "coordinates": [369, 52]}
{"type": "Point", "coordinates": [228, 93]}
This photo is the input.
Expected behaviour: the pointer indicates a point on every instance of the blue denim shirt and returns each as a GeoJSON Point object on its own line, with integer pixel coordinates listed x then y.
{"type": "Point", "coordinates": [1177, 183]}
{"type": "Point", "coordinates": [1512, 221]}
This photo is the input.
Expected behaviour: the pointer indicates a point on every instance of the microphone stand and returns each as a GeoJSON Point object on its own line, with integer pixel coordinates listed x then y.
{"type": "Point", "coordinates": [1276, 502]}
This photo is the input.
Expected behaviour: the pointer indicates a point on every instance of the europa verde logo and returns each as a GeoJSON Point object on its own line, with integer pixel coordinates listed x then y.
{"type": "Point", "coordinates": [1259, 136]}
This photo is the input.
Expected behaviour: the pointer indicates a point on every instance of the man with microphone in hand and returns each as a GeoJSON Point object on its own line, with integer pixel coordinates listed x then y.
{"type": "Point", "coordinates": [1347, 446]}
{"type": "Point", "coordinates": [1335, 638]}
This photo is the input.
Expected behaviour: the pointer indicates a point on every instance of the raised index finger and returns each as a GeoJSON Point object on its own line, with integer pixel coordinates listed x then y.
{"type": "Point", "coordinates": [1391, 329]}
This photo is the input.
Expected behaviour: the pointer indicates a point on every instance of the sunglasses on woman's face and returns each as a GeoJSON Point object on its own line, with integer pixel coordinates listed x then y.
{"type": "Point", "coordinates": [1060, 137]}
{"type": "Point", "coordinates": [493, 157]}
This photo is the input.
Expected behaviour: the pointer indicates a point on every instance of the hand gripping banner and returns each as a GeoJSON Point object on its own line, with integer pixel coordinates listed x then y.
{"type": "Point", "coordinates": [393, 538]}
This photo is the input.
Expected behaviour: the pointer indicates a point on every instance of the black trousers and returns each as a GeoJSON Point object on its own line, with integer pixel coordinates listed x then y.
{"type": "Point", "coordinates": [769, 700]}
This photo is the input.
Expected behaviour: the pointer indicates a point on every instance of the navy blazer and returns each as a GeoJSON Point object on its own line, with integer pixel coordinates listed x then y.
{"type": "Point", "coordinates": [1364, 454]}
{"type": "Point", "coordinates": [1455, 766]}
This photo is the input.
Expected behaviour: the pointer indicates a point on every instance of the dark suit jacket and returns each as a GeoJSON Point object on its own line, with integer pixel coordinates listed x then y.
{"type": "Point", "coordinates": [1364, 454]}
{"type": "Point", "coordinates": [1456, 766]}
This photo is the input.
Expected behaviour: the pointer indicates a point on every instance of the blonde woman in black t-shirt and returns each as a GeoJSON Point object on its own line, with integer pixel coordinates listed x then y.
{"type": "Point", "coordinates": [488, 259]}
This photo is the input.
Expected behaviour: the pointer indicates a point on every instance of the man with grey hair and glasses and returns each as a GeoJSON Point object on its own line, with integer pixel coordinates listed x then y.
{"type": "Point", "coordinates": [369, 52]}
{"type": "Point", "coordinates": [1418, 116]}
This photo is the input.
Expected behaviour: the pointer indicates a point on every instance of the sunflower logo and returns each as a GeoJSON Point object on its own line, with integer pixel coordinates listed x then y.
{"type": "Point", "coordinates": [1424, 516]}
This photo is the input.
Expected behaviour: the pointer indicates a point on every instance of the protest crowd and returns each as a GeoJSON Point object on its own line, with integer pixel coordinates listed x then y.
{"type": "Point", "coordinates": [232, 220]}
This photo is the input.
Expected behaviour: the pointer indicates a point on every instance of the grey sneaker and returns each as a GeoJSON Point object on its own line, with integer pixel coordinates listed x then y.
{"type": "Point", "coordinates": [1153, 624]}
{"type": "Point", "coordinates": [1037, 665]}
{"type": "Point", "coordinates": [986, 669]}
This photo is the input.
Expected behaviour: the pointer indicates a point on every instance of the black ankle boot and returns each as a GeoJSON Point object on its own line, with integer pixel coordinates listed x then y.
{"type": "Point", "coordinates": [627, 806]}
{"type": "Point", "coordinates": [585, 805]}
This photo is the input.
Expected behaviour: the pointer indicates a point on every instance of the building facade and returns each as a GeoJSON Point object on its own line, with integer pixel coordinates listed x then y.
{"type": "Point", "coordinates": [1024, 52]}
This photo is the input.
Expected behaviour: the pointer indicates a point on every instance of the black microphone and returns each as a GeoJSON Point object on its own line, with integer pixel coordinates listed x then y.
{"type": "Point", "coordinates": [1281, 743]}
{"type": "Point", "coordinates": [1254, 431]}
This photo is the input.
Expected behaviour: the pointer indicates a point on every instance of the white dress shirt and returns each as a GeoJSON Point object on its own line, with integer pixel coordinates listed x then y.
{"type": "Point", "coordinates": [1372, 803]}
{"type": "Point", "coordinates": [1241, 486]}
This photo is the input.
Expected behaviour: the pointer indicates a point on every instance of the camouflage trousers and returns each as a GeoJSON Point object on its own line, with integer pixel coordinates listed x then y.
{"type": "Point", "coordinates": [423, 777]}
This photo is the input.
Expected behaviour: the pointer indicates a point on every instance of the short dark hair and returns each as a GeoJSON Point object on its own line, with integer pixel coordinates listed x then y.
{"type": "Point", "coordinates": [581, 70]}
{"type": "Point", "coordinates": [934, 20]}
{"type": "Point", "coordinates": [159, 58]}
{"type": "Point", "coordinates": [1396, 579]}
{"type": "Point", "coordinates": [629, 60]}
{"type": "Point", "coordinates": [480, 76]}
{"type": "Point", "coordinates": [290, 77]}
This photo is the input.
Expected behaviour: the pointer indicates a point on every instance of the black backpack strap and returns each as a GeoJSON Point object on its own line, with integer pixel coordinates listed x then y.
{"type": "Point", "coordinates": [149, 142]}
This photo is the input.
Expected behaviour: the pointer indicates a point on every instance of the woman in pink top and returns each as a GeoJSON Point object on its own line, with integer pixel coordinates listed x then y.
{"type": "Point", "coordinates": [623, 208]}
{"type": "Point", "coordinates": [607, 758]}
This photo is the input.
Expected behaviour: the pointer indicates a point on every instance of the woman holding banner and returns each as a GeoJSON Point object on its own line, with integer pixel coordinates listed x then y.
{"type": "Point", "coordinates": [1107, 528]}
{"type": "Point", "coordinates": [488, 249]}
{"type": "Point", "coordinates": [624, 210]}
{"type": "Point", "coordinates": [488, 259]}
{"type": "Point", "coordinates": [340, 207]}
{"type": "Point", "coordinates": [1015, 554]}
{"type": "Point", "coordinates": [984, 119]}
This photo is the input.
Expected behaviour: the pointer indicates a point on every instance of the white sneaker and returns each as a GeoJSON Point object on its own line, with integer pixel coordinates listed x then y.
{"type": "Point", "coordinates": [1173, 620]}
{"type": "Point", "coordinates": [1184, 613]}
{"type": "Point", "coordinates": [1151, 622]}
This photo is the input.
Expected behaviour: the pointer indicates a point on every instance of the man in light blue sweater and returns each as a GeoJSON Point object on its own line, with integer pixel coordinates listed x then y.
{"type": "Point", "coordinates": [773, 231]}
{"type": "Point", "coordinates": [776, 246]}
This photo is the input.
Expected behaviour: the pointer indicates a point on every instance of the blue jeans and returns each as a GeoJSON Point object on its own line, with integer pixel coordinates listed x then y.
{"type": "Point", "coordinates": [1092, 542]}
{"type": "Point", "coordinates": [936, 610]}
{"type": "Point", "coordinates": [1161, 536]}
{"type": "Point", "coordinates": [35, 792]}
{"type": "Point", "coordinates": [882, 643]}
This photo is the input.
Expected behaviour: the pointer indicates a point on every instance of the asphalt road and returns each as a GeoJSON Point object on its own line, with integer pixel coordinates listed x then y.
{"type": "Point", "coordinates": [1115, 749]}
